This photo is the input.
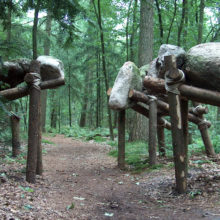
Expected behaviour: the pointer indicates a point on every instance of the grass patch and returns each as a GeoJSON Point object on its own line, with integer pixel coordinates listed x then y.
{"type": "Point", "coordinates": [44, 141]}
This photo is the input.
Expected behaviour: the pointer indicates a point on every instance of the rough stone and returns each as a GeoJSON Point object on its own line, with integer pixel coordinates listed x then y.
{"type": "Point", "coordinates": [202, 67]}
{"type": "Point", "coordinates": [129, 77]}
{"type": "Point", "coordinates": [157, 65]}
{"type": "Point", "coordinates": [51, 68]}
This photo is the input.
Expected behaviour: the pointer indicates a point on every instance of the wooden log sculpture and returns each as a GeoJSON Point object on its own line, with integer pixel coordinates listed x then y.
{"type": "Point", "coordinates": [44, 73]}
{"type": "Point", "coordinates": [199, 64]}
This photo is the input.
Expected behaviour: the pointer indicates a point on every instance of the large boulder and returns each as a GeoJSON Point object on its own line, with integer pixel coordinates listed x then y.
{"type": "Point", "coordinates": [129, 77]}
{"type": "Point", "coordinates": [202, 66]}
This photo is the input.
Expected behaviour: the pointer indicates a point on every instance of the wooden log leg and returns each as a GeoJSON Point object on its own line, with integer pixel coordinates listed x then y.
{"type": "Point", "coordinates": [33, 79]}
{"type": "Point", "coordinates": [15, 126]}
{"type": "Point", "coordinates": [184, 116]}
{"type": "Point", "coordinates": [121, 139]}
{"type": "Point", "coordinates": [210, 152]}
{"type": "Point", "coordinates": [178, 142]}
{"type": "Point", "coordinates": [161, 140]}
{"type": "Point", "coordinates": [39, 169]}
{"type": "Point", "coordinates": [152, 132]}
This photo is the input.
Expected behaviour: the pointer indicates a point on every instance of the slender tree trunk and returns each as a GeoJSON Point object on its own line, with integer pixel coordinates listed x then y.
{"type": "Point", "coordinates": [46, 52]}
{"type": "Point", "coordinates": [180, 28]}
{"type": "Point", "coordinates": [34, 30]}
{"type": "Point", "coordinates": [82, 122]}
{"type": "Point", "coordinates": [160, 20]}
{"type": "Point", "coordinates": [126, 30]}
{"type": "Point", "coordinates": [53, 115]}
{"type": "Point", "coordinates": [98, 92]}
{"type": "Point", "coordinates": [171, 23]}
{"type": "Point", "coordinates": [134, 29]}
{"type": "Point", "coordinates": [8, 29]}
{"type": "Point", "coordinates": [201, 18]}
{"type": "Point", "coordinates": [99, 18]}
{"type": "Point", "coordinates": [186, 26]}
{"type": "Point", "coordinates": [69, 97]}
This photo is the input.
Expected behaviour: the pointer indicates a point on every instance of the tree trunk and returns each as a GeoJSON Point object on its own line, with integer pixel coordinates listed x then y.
{"type": "Point", "coordinates": [133, 33]}
{"type": "Point", "coordinates": [159, 13]}
{"type": "Point", "coordinates": [127, 29]}
{"type": "Point", "coordinates": [53, 114]}
{"type": "Point", "coordinates": [171, 23]}
{"type": "Point", "coordinates": [46, 52]}
{"type": "Point", "coordinates": [201, 18]}
{"type": "Point", "coordinates": [180, 28]}
{"type": "Point", "coordinates": [34, 29]}
{"type": "Point", "coordinates": [99, 18]}
{"type": "Point", "coordinates": [82, 122]}
{"type": "Point", "coordinates": [98, 92]}
{"type": "Point", "coordinates": [145, 54]}
{"type": "Point", "coordinates": [9, 29]}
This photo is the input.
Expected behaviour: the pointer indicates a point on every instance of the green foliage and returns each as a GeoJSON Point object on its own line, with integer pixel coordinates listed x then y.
{"type": "Point", "coordinates": [70, 206]}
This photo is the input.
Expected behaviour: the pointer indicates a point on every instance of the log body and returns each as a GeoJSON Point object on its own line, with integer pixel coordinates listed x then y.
{"type": "Point", "coordinates": [128, 78]}
{"type": "Point", "coordinates": [202, 66]}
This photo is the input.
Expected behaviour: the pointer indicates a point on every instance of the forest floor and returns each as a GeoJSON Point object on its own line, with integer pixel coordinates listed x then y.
{"type": "Point", "coordinates": [81, 181]}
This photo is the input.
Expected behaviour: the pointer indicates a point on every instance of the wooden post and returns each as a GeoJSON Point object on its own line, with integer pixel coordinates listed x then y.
{"type": "Point", "coordinates": [161, 140]}
{"type": "Point", "coordinates": [184, 117]}
{"type": "Point", "coordinates": [173, 77]}
{"type": "Point", "coordinates": [152, 148]}
{"type": "Point", "coordinates": [33, 80]}
{"type": "Point", "coordinates": [206, 139]}
{"type": "Point", "coordinates": [15, 131]}
{"type": "Point", "coordinates": [39, 169]}
{"type": "Point", "coordinates": [121, 139]}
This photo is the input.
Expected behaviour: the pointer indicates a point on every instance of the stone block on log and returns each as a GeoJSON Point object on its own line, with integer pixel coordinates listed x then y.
{"type": "Point", "coordinates": [202, 66]}
{"type": "Point", "coordinates": [50, 68]}
{"type": "Point", "coordinates": [128, 78]}
{"type": "Point", "coordinates": [157, 67]}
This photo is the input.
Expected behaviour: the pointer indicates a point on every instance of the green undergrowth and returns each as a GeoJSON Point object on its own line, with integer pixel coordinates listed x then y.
{"type": "Point", "coordinates": [8, 159]}
{"type": "Point", "coordinates": [98, 134]}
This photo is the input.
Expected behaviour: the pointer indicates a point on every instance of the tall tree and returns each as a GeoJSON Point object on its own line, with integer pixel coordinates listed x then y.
{"type": "Point", "coordinates": [46, 52]}
{"type": "Point", "coordinates": [145, 55]}
{"type": "Point", "coordinates": [201, 18]}
{"type": "Point", "coordinates": [34, 30]}
{"type": "Point", "coordinates": [99, 19]}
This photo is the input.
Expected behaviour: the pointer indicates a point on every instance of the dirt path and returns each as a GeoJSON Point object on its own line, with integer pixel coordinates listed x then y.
{"type": "Point", "coordinates": [81, 182]}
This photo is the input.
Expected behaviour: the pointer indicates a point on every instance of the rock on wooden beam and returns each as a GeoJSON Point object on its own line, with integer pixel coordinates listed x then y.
{"type": "Point", "coordinates": [128, 78]}
{"type": "Point", "coordinates": [190, 92]}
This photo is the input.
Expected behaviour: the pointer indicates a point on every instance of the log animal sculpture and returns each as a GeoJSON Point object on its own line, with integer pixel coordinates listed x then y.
{"type": "Point", "coordinates": [44, 73]}
{"type": "Point", "coordinates": [183, 76]}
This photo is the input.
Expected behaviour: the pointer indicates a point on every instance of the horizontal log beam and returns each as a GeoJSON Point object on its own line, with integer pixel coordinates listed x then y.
{"type": "Point", "coordinates": [144, 111]}
{"type": "Point", "coordinates": [19, 92]}
{"type": "Point", "coordinates": [141, 97]}
{"type": "Point", "coordinates": [190, 92]}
